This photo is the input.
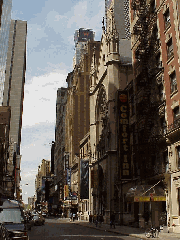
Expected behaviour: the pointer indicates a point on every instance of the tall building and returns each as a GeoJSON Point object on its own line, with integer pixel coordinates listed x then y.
{"type": "Point", "coordinates": [13, 96]}
{"type": "Point", "coordinates": [168, 34]}
{"type": "Point", "coordinates": [44, 171]}
{"type": "Point", "coordinates": [81, 37]}
{"type": "Point", "coordinates": [5, 22]}
{"type": "Point", "coordinates": [60, 133]}
{"type": "Point", "coordinates": [155, 94]}
{"type": "Point", "coordinates": [78, 114]}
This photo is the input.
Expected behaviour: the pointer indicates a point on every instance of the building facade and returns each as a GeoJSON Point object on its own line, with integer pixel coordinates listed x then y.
{"type": "Point", "coordinates": [111, 72]}
{"type": "Point", "coordinates": [44, 173]}
{"type": "Point", "coordinates": [83, 180]}
{"type": "Point", "coordinates": [60, 133]}
{"type": "Point", "coordinates": [155, 47]}
{"type": "Point", "coordinates": [5, 22]}
{"type": "Point", "coordinates": [78, 110]}
{"type": "Point", "coordinates": [169, 32]}
{"type": "Point", "coordinates": [81, 37]}
{"type": "Point", "coordinates": [13, 96]}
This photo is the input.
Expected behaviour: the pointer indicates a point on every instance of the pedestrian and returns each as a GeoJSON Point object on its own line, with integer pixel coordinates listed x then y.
{"type": "Point", "coordinates": [74, 216]}
{"type": "Point", "coordinates": [70, 219]}
{"type": "Point", "coordinates": [90, 218]}
{"type": "Point", "coordinates": [78, 216]}
{"type": "Point", "coordinates": [95, 220]}
{"type": "Point", "coordinates": [112, 220]}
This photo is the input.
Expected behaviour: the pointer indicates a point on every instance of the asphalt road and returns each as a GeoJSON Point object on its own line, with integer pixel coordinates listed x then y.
{"type": "Point", "coordinates": [63, 230]}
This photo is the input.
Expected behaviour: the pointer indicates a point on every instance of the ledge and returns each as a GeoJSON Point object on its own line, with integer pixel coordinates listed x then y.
{"type": "Point", "coordinates": [167, 28]}
{"type": "Point", "coordinates": [173, 94]}
{"type": "Point", "coordinates": [170, 59]}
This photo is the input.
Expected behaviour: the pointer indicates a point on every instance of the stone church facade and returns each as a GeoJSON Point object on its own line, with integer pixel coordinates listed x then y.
{"type": "Point", "coordinates": [112, 73]}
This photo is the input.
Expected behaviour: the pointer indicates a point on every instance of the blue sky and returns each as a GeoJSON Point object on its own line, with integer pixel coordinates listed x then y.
{"type": "Point", "coordinates": [50, 51]}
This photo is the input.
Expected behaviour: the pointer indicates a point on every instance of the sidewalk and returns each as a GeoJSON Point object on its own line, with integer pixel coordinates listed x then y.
{"type": "Point", "coordinates": [128, 231]}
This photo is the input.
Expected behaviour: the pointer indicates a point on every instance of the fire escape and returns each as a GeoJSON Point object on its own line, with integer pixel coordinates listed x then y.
{"type": "Point", "coordinates": [149, 100]}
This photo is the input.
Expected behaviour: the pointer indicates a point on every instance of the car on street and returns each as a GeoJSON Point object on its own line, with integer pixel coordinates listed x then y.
{"type": "Point", "coordinates": [38, 219]}
{"type": "Point", "coordinates": [4, 235]}
{"type": "Point", "coordinates": [12, 218]}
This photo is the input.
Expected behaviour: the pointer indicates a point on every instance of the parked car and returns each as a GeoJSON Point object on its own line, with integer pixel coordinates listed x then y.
{"type": "Point", "coordinates": [4, 235]}
{"type": "Point", "coordinates": [12, 217]}
{"type": "Point", "coordinates": [38, 220]}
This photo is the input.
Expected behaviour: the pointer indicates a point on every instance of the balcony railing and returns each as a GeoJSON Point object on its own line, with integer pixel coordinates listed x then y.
{"type": "Point", "coordinates": [174, 126]}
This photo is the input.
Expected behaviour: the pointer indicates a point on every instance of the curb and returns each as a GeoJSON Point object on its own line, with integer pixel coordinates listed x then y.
{"type": "Point", "coordinates": [108, 230]}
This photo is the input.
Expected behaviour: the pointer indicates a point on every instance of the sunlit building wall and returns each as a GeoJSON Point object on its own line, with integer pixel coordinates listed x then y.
{"type": "Point", "coordinates": [13, 94]}
{"type": "Point", "coordinates": [5, 21]}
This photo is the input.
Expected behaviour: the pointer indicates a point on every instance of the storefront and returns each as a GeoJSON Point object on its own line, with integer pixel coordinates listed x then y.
{"type": "Point", "coordinates": [148, 204]}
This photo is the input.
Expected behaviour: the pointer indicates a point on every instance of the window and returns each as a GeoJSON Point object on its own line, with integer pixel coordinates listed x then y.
{"type": "Point", "coordinates": [153, 7]}
{"type": "Point", "coordinates": [134, 14]}
{"type": "Point", "coordinates": [179, 199]}
{"type": "Point", "coordinates": [161, 92]}
{"type": "Point", "coordinates": [170, 52]}
{"type": "Point", "coordinates": [167, 22]}
{"type": "Point", "coordinates": [173, 82]}
{"type": "Point", "coordinates": [163, 124]}
{"type": "Point", "coordinates": [155, 32]}
{"type": "Point", "coordinates": [158, 61]}
{"type": "Point", "coordinates": [166, 160]}
{"type": "Point", "coordinates": [176, 113]}
{"type": "Point", "coordinates": [155, 38]}
{"type": "Point", "coordinates": [178, 156]}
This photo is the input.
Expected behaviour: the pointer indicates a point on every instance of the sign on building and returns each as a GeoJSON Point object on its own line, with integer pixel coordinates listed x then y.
{"type": "Point", "coordinates": [84, 176]}
{"type": "Point", "coordinates": [69, 178]}
{"type": "Point", "coordinates": [124, 135]}
{"type": "Point", "coordinates": [66, 161]}
{"type": "Point", "coordinates": [66, 192]}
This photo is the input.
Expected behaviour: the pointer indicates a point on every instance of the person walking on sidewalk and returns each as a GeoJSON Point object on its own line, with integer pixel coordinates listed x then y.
{"type": "Point", "coordinates": [112, 220]}
{"type": "Point", "coordinates": [70, 218]}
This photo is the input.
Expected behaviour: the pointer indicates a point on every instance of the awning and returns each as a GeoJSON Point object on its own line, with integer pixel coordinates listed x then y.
{"type": "Point", "coordinates": [145, 193]}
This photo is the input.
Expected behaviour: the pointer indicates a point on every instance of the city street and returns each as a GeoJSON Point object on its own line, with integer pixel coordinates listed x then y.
{"type": "Point", "coordinates": [62, 229]}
